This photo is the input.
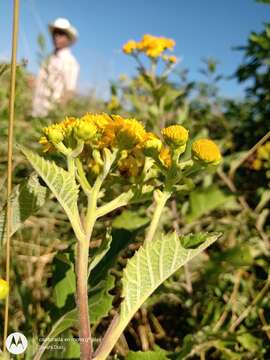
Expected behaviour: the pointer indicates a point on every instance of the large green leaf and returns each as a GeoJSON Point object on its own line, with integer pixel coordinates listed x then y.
{"type": "Point", "coordinates": [120, 240]}
{"type": "Point", "coordinates": [129, 220]}
{"type": "Point", "coordinates": [203, 201]}
{"type": "Point", "coordinates": [153, 263]}
{"type": "Point", "coordinates": [61, 183]}
{"type": "Point", "coordinates": [64, 287]}
{"type": "Point", "coordinates": [151, 266]}
{"type": "Point", "coordinates": [26, 199]}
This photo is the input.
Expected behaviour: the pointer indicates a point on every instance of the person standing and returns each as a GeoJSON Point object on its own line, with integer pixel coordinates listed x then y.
{"type": "Point", "coordinates": [58, 75]}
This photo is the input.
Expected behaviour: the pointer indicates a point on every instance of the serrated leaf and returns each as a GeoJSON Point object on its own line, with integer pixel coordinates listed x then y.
{"type": "Point", "coordinates": [26, 199]}
{"type": "Point", "coordinates": [61, 183]}
{"type": "Point", "coordinates": [151, 266]}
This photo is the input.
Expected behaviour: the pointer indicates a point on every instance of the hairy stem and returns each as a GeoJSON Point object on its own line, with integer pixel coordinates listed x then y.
{"type": "Point", "coordinates": [157, 214]}
{"type": "Point", "coordinates": [82, 300]}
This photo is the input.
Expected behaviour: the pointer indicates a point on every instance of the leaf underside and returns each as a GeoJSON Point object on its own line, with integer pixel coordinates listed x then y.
{"type": "Point", "coordinates": [61, 183]}
{"type": "Point", "coordinates": [151, 266]}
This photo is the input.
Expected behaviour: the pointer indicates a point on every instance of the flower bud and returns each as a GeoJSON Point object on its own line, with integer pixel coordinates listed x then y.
{"type": "Point", "coordinates": [85, 130]}
{"type": "Point", "coordinates": [207, 151]}
{"type": "Point", "coordinates": [175, 135]}
{"type": "Point", "coordinates": [54, 134]}
{"type": "Point", "coordinates": [4, 289]}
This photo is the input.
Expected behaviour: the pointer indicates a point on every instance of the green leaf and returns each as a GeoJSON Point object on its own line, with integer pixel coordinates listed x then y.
{"type": "Point", "coordinates": [239, 255]}
{"type": "Point", "coordinates": [100, 301]}
{"type": "Point", "coordinates": [129, 220]}
{"type": "Point", "coordinates": [120, 240]}
{"type": "Point", "coordinates": [203, 201]}
{"type": "Point", "coordinates": [26, 199]}
{"type": "Point", "coordinates": [249, 342]}
{"type": "Point", "coordinates": [188, 344]}
{"type": "Point", "coordinates": [64, 287]}
{"type": "Point", "coordinates": [191, 241]}
{"type": "Point", "coordinates": [63, 347]}
{"type": "Point", "coordinates": [151, 266]}
{"type": "Point", "coordinates": [61, 183]}
{"type": "Point", "coordinates": [64, 323]}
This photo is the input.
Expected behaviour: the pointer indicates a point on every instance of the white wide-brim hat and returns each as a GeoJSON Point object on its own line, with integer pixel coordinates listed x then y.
{"type": "Point", "coordinates": [64, 25]}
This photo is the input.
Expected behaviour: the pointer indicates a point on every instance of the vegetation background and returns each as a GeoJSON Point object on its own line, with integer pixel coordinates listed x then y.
{"type": "Point", "coordinates": [218, 307]}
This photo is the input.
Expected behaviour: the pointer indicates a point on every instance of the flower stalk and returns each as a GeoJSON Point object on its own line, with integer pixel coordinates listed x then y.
{"type": "Point", "coordinates": [161, 199]}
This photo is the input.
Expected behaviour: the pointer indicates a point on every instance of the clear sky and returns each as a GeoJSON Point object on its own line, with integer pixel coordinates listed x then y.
{"type": "Point", "coordinates": [201, 28]}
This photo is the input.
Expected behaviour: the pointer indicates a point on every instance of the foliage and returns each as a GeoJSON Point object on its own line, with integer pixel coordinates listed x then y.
{"type": "Point", "coordinates": [216, 306]}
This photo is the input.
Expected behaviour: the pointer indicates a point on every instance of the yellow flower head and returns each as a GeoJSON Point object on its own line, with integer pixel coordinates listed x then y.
{"type": "Point", "coordinates": [85, 130]}
{"type": "Point", "coordinates": [4, 289]}
{"type": "Point", "coordinates": [175, 135]}
{"type": "Point", "coordinates": [54, 133]}
{"type": "Point", "coordinates": [129, 47]}
{"type": "Point", "coordinates": [206, 151]}
{"type": "Point", "coordinates": [130, 134]}
{"type": "Point", "coordinates": [154, 46]}
{"type": "Point", "coordinates": [99, 120]}
{"type": "Point", "coordinates": [165, 156]}
{"type": "Point", "coordinates": [108, 138]}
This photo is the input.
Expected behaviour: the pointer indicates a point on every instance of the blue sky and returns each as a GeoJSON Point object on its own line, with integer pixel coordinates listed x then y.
{"type": "Point", "coordinates": [201, 28]}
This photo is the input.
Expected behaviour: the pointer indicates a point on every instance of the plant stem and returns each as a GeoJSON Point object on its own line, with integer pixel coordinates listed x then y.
{"type": "Point", "coordinates": [157, 214]}
{"type": "Point", "coordinates": [116, 203]}
{"type": "Point", "coordinates": [82, 300]}
{"type": "Point", "coordinates": [10, 153]}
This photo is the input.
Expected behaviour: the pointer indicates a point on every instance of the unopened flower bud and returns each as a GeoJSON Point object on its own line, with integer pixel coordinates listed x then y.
{"type": "Point", "coordinates": [85, 130]}
{"type": "Point", "coordinates": [207, 151]}
{"type": "Point", "coordinates": [175, 135]}
{"type": "Point", "coordinates": [54, 134]}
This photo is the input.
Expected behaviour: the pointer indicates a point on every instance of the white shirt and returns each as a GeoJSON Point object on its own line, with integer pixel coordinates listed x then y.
{"type": "Point", "coordinates": [57, 75]}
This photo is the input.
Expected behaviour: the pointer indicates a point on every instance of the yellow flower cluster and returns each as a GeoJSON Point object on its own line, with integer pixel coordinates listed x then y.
{"type": "Point", "coordinates": [152, 46]}
{"type": "Point", "coordinates": [262, 157]}
{"type": "Point", "coordinates": [134, 143]}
